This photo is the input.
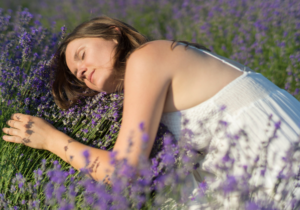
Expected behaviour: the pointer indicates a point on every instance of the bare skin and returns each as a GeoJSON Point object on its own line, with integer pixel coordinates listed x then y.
{"type": "Point", "coordinates": [196, 75]}
{"type": "Point", "coordinates": [157, 80]}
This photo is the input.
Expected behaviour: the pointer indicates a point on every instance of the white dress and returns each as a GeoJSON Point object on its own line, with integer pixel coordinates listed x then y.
{"type": "Point", "coordinates": [250, 99]}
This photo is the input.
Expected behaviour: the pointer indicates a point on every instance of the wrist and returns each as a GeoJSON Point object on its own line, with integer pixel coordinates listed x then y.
{"type": "Point", "coordinates": [52, 139]}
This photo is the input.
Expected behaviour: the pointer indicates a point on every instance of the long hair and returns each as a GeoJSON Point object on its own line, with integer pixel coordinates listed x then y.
{"type": "Point", "coordinates": [66, 88]}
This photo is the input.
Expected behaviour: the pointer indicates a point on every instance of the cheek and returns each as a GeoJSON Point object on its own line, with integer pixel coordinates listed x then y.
{"type": "Point", "coordinates": [99, 80]}
{"type": "Point", "coordinates": [102, 81]}
{"type": "Point", "coordinates": [106, 81]}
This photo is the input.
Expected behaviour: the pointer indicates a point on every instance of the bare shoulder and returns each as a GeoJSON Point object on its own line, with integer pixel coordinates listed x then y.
{"type": "Point", "coordinates": [152, 56]}
{"type": "Point", "coordinates": [156, 44]}
{"type": "Point", "coordinates": [152, 49]}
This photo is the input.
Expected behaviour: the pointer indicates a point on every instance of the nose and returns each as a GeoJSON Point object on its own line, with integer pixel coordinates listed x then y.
{"type": "Point", "coordinates": [82, 71]}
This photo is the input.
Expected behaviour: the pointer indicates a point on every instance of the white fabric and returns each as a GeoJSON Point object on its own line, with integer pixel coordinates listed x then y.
{"type": "Point", "coordinates": [249, 101]}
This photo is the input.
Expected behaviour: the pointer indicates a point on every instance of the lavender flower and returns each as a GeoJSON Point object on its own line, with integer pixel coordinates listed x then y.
{"type": "Point", "coordinates": [27, 47]}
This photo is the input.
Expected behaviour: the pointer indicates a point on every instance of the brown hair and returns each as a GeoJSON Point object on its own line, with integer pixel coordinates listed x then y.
{"type": "Point", "coordinates": [66, 88]}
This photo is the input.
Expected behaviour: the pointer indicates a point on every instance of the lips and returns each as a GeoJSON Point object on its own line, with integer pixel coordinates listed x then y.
{"type": "Point", "coordinates": [90, 76]}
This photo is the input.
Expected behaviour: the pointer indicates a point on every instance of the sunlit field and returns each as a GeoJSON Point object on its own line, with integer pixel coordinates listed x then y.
{"type": "Point", "coordinates": [263, 35]}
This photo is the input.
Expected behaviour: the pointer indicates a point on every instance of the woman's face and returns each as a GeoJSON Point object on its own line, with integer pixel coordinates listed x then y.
{"type": "Point", "coordinates": [91, 61]}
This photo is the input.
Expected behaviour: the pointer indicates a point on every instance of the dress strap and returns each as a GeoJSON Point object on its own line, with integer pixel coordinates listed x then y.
{"type": "Point", "coordinates": [227, 61]}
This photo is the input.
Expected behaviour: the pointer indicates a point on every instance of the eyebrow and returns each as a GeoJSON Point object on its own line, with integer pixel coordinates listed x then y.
{"type": "Point", "coordinates": [76, 58]}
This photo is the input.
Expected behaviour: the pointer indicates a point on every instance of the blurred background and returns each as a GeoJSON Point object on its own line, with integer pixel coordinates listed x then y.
{"type": "Point", "coordinates": [263, 35]}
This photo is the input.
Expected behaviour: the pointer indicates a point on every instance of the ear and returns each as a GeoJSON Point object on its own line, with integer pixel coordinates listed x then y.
{"type": "Point", "coordinates": [116, 28]}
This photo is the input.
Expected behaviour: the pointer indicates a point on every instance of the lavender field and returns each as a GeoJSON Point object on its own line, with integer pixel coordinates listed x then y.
{"type": "Point", "coordinates": [263, 35]}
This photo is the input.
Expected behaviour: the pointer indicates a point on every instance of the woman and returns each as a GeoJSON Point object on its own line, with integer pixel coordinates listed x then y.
{"type": "Point", "coordinates": [160, 82]}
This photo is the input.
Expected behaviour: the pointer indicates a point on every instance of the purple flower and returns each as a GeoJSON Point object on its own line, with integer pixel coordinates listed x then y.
{"type": "Point", "coordinates": [230, 184]}
{"type": "Point", "coordinates": [270, 116]}
{"type": "Point", "coordinates": [145, 137]}
{"type": "Point", "coordinates": [223, 107]}
{"type": "Point", "coordinates": [168, 159]}
{"type": "Point", "coordinates": [21, 185]}
{"type": "Point", "coordinates": [39, 172]}
{"type": "Point", "coordinates": [185, 122]}
{"type": "Point", "coordinates": [86, 155]}
{"type": "Point", "coordinates": [222, 122]}
{"type": "Point", "coordinates": [115, 115]}
{"type": "Point", "coordinates": [67, 207]}
{"type": "Point", "coordinates": [71, 171]}
{"type": "Point", "coordinates": [126, 170]}
{"type": "Point", "coordinates": [35, 203]}
{"type": "Point", "coordinates": [142, 126]}
{"type": "Point", "coordinates": [262, 172]}
{"type": "Point", "coordinates": [203, 186]}
{"type": "Point", "coordinates": [56, 176]}
{"type": "Point", "coordinates": [112, 156]}
{"type": "Point", "coordinates": [63, 28]}
{"type": "Point", "coordinates": [72, 192]}
{"type": "Point", "coordinates": [252, 206]}
{"type": "Point", "coordinates": [277, 125]}
{"type": "Point", "coordinates": [59, 192]}
{"type": "Point", "coordinates": [168, 140]}
{"type": "Point", "coordinates": [49, 191]}
{"type": "Point", "coordinates": [226, 158]}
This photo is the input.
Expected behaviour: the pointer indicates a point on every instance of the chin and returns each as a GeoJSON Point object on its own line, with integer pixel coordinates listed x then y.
{"type": "Point", "coordinates": [103, 89]}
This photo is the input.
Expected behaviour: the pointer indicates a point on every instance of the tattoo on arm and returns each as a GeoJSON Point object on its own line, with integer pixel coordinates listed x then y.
{"type": "Point", "coordinates": [94, 166]}
{"type": "Point", "coordinates": [66, 148]}
{"type": "Point", "coordinates": [71, 140]}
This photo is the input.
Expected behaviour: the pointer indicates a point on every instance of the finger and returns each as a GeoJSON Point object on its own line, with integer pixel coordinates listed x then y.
{"type": "Point", "coordinates": [21, 117]}
{"type": "Point", "coordinates": [13, 139]}
{"type": "Point", "coordinates": [16, 116]}
{"type": "Point", "coordinates": [14, 124]}
{"type": "Point", "coordinates": [11, 131]}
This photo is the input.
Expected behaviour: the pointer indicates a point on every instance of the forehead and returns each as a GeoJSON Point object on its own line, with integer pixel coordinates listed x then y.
{"type": "Point", "coordinates": [79, 41]}
{"type": "Point", "coordinates": [73, 46]}
{"type": "Point", "coordinates": [71, 49]}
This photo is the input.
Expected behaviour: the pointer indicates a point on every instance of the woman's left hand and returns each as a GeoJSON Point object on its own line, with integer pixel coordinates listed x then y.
{"type": "Point", "coordinates": [31, 131]}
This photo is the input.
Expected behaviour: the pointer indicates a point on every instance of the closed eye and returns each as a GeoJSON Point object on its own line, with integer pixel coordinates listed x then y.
{"type": "Point", "coordinates": [83, 54]}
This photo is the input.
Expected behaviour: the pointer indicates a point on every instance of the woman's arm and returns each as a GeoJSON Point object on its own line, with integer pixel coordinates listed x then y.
{"type": "Point", "coordinates": [71, 151]}
{"type": "Point", "coordinates": [39, 134]}
{"type": "Point", "coordinates": [146, 85]}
